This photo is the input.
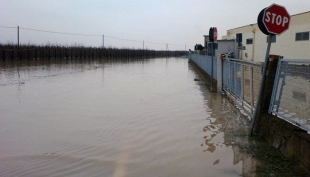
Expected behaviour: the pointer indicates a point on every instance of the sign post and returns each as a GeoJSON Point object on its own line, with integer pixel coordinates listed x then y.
{"type": "Point", "coordinates": [212, 38]}
{"type": "Point", "coordinates": [272, 20]}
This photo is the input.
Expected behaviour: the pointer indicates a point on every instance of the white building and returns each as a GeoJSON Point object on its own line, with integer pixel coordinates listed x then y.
{"type": "Point", "coordinates": [292, 44]}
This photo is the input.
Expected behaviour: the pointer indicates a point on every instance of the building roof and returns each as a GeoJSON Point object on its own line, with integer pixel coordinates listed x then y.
{"type": "Point", "coordinates": [301, 13]}
{"type": "Point", "coordinates": [225, 40]}
{"type": "Point", "coordinates": [256, 23]}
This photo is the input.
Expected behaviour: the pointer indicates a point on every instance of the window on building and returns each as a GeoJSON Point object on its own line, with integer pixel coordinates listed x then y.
{"type": "Point", "coordinates": [249, 41]}
{"type": "Point", "coordinates": [303, 36]}
{"type": "Point", "coordinates": [239, 37]}
{"type": "Point", "coordinates": [273, 39]}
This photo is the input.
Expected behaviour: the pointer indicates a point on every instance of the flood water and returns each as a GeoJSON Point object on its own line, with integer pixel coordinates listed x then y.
{"type": "Point", "coordinates": [119, 118]}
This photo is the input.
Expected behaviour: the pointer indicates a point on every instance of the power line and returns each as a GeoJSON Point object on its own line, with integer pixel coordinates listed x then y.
{"type": "Point", "coordinates": [74, 34]}
{"type": "Point", "coordinates": [154, 43]}
{"type": "Point", "coordinates": [123, 39]}
{"type": "Point", "coordinates": [55, 32]}
{"type": "Point", "coordinates": [89, 35]}
{"type": "Point", "coordinates": [176, 44]}
{"type": "Point", "coordinates": [77, 34]}
{"type": "Point", "coordinates": [7, 26]}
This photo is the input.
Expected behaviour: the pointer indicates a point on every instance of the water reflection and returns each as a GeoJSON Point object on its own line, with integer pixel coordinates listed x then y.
{"type": "Point", "coordinates": [227, 128]}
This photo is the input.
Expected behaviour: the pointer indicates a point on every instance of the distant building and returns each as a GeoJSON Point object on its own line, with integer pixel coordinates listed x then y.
{"type": "Point", "coordinates": [221, 46]}
{"type": "Point", "coordinates": [226, 47]}
{"type": "Point", "coordinates": [206, 40]}
{"type": "Point", "coordinates": [292, 44]}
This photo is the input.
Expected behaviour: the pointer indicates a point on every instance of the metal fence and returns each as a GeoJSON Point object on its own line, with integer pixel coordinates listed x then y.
{"type": "Point", "coordinates": [241, 79]}
{"type": "Point", "coordinates": [205, 63]}
{"type": "Point", "coordinates": [290, 99]}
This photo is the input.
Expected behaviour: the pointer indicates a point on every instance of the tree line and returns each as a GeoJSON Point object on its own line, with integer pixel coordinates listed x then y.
{"type": "Point", "coordinates": [12, 51]}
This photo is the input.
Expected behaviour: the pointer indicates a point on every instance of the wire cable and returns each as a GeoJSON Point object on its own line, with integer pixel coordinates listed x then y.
{"type": "Point", "coordinates": [55, 32]}
{"type": "Point", "coordinates": [89, 35]}
{"type": "Point", "coordinates": [7, 26]}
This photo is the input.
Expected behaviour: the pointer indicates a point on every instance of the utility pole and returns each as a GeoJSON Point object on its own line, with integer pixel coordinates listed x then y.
{"type": "Point", "coordinates": [102, 41]}
{"type": "Point", "coordinates": [185, 47]}
{"type": "Point", "coordinates": [18, 37]}
{"type": "Point", "coordinates": [143, 45]}
{"type": "Point", "coordinates": [212, 53]}
{"type": "Point", "coordinates": [18, 52]}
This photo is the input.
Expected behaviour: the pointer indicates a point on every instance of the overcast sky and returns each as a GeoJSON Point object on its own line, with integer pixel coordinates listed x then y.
{"type": "Point", "coordinates": [176, 22]}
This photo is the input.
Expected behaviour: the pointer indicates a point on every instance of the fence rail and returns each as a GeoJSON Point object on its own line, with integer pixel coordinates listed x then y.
{"type": "Point", "coordinates": [290, 99]}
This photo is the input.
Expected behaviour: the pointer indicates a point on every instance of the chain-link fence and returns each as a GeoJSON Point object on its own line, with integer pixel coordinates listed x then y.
{"type": "Point", "coordinates": [242, 79]}
{"type": "Point", "coordinates": [291, 93]}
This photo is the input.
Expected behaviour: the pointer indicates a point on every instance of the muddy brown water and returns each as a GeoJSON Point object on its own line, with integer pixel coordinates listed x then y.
{"type": "Point", "coordinates": [115, 119]}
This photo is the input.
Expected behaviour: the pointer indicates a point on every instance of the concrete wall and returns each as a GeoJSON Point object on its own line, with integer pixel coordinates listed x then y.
{"type": "Point", "coordinates": [292, 141]}
{"type": "Point", "coordinates": [205, 75]}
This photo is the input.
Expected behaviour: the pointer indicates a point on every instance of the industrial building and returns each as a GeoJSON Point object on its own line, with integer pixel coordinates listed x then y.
{"type": "Point", "coordinates": [251, 44]}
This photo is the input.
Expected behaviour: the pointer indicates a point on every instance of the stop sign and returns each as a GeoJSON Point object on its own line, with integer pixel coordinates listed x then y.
{"type": "Point", "coordinates": [215, 34]}
{"type": "Point", "coordinates": [273, 20]}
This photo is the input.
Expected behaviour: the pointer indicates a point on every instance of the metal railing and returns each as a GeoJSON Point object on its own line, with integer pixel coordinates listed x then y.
{"type": "Point", "coordinates": [290, 98]}
{"type": "Point", "coordinates": [241, 79]}
{"type": "Point", "coordinates": [205, 63]}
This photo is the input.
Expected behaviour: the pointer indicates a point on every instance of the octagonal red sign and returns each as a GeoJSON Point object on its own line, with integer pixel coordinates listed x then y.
{"type": "Point", "coordinates": [276, 19]}
{"type": "Point", "coordinates": [215, 34]}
